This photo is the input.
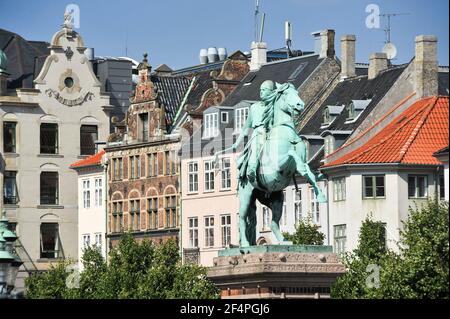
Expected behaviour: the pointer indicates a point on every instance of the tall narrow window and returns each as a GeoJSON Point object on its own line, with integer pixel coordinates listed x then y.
{"type": "Point", "coordinates": [373, 186]}
{"type": "Point", "coordinates": [98, 192]}
{"type": "Point", "coordinates": [340, 238]}
{"type": "Point", "coordinates": [49, 138]}
{"type": "Point", "coordinates": [117, 217]}
{"type": "Point", "coordinates": [135, 215]}
{"type": "Point", "coordinates": [284, 213]}
{"type": "Point", "coordinates": [441, 187]}
{"type": "Point", "coordinates": [152, 210]}
{"type": "Point", "coordinates": [240, 118]}
{"type": "Point", "coordinates": [193, 232]}
{"type": "Point", "coordinates": [9, 137]}
{"type": "Point", "coordinates": [49, 188]}
{"type": "Point", "coordinates": [193, 177]}
{"type": "Point", "coordinates": [339, 188]}
{"type": "Point", "coordinates": [314, 206]}
{"type": "Point", "coordinates": [10, 193]}
{"type": "Point", "coordinates": [209, 231]}
{"type": "Point", "coordinates": [211, 123]}
{"type": "Point", "coordinates": [173, 162]}
{"type": "Point", "coordinates": [49, 240]}
{"type": "Point", "coordinates": [167, 162]}
{"type": "Point", "coordinates": [297, 205]}
{"type": "Point", "coordinates": [209, 176]}
{"type": "Point", "coordinates": [98, 241]}
{"type": "Point", "coordinates": [225, 229]}
{"type": "Point", "coordinates": [117, 169]}
{"type": "Point", "coordinates": [171, 211]}
{"type": "Point", "coordinates": [265, 218]}
{"type": "Point", "coordinates": [417, 186]}
{"type": "Point", "coordinates": [86, 241]}
{"type": "Point", "coordinates": [144, 126]}
{"type": "Point", "coordinates": [88, 136]}
{"type": "Point", "coordinates": [226, 173]}
{"type": "Point", "coordinates": [86, 193]}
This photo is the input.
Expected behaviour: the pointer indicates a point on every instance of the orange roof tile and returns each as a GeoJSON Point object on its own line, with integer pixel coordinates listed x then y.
{"type": "Point", "coordinates": [411, 138]}
{"type": "Point", "coordinates": [88, 161]}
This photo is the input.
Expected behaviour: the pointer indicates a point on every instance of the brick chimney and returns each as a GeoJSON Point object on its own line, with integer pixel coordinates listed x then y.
{"type": "Point", "coordinates": [259, 55]}
{"type": "Point", "coordinates": [348, 56]}
{"type": "Point", "coordinates": [377, 62]}
{"type": "Point", "coordinates": [324, 43]}
{"type": "Point", "coordinates": [426, 66]}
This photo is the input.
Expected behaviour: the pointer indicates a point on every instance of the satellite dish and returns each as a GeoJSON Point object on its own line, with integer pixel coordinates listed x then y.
{"type": "Point", "coordinates": [390, 50]}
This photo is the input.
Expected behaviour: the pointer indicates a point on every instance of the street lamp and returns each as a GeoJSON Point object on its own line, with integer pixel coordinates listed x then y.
{"type": "Point", "coordinates": [9, 261]}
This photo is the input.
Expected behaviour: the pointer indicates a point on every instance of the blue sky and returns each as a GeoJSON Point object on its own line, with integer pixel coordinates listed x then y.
{"type": "Point", "coordinates": [173, 31]}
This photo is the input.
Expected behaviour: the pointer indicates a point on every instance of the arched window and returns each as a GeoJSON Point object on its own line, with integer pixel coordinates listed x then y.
{"type": "Point", "coordinates": [49, 188]}
{"type": "Point", "coordinates": [88, 137]}
{"type": "Point", "coordinates": [49, 138]}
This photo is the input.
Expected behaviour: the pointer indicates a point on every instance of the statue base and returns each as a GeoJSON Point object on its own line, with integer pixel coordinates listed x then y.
{"type": "Point", "coordinates": [275, 271]}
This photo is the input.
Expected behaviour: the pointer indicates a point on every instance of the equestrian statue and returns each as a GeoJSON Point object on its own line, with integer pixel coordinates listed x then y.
{"type": "Point", "coordinates": [272, 156]}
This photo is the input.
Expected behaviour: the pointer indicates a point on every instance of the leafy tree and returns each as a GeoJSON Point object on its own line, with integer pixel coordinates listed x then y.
{"type": "Point", "coordinates": [306, 233]}
{"type": "Point", "coordinates": [420, 270]}
{"type": "Point", "coordinates": [134, 270]}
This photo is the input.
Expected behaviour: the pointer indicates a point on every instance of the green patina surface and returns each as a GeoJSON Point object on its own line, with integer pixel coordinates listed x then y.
{"type": "Point", "coordinates": [275, 249]}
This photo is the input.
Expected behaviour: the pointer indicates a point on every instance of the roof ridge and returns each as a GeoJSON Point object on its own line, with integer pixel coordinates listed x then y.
{"type": "Point", "coordinates": [427, 110]}
{"type": "Point", "coordinates": [385, 139]}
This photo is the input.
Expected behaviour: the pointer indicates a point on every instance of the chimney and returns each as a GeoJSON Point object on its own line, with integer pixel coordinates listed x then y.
{"type": "Point", "coordinates": [348, 56]}
{"type": "Point", "coordinates": [426, 66]}
{"type": "Point", "coordinates": [377, 62]}
{"type": "Point", "coordinates": [259, 55]}
{"type": "Point", "coordinates": [324, 43]}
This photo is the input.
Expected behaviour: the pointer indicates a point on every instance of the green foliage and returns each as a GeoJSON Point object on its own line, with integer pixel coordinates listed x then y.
{"type": "Point", "coordinates": [306, 233]}
{"type": "Point", "coordinates": [420, 270]}
{"type": "Point", "coordinates": [134, 270]}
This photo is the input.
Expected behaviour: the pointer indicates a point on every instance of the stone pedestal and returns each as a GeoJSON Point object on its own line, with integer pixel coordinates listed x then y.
{"type": "Point", "coordinates": [275, 271]}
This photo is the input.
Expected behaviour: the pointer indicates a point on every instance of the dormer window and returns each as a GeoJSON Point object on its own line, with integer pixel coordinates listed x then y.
{"type": "Point", "coordinates": [328, 145]}
{"type": "Point", "coordinates": [326, 116]}
{"type": "Point", "coordinates": [330, 113]}
{"type": "Point", "coordinates": [355, 108]}
{"type": "Point", "coordinates": [240, 117]}
{"type": "Point", "coordinates": [224, 117]}
{"type": "Point", "coordinates": [211, 125]}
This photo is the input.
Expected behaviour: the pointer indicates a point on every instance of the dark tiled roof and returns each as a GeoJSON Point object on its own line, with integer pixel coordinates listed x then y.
{"type": "Point", "coordinates": [280, 71]}
{"type": "Point", "coordinates": [171, 90]}
{"type": "Point", "coordinates": [22, 55]}
{"type": "Point", "coordinates": [357, 88]}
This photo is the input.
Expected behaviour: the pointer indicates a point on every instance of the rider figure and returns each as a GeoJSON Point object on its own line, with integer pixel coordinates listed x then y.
{"type": "Point", "coordinates": [255, 122]}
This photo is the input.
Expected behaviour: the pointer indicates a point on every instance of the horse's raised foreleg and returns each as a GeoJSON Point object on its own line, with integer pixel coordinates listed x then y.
{"type": "Point", "coordinates": [303, 169]}
{"type": "Point", "coordinates": [245, 201]}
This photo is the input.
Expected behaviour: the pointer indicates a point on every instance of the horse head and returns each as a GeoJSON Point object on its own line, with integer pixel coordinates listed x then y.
{"type": "Point", "coordinates": [289, 98]}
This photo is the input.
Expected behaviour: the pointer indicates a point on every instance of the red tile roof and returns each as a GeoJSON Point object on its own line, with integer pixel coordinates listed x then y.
{"type": "Point", "coordinates": [89, 161]}
{"type": "Point", "coordinates": [411, 138]}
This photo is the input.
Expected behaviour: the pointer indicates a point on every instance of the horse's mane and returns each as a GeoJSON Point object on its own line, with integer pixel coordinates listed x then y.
{"type": "Point", "coordinates": [268, 115]}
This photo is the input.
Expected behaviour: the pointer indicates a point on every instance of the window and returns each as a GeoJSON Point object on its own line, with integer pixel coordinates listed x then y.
{"type": "Point", "coordinates": [193, 232]}
{"type": "Point", "coordinates": [49, 138]}
{"type": "Point", "coordinates": [86, 241]}
{"type": "Point", "coordinates": [209, 231]}
{"type": "Point", "coordinates": [339, 188]}
{"type": "Point", "coordinates": [10, 193]}
{"type": "Point", "coordinates": [284, 213]}
{"type": "Point", "coordinates": [209, 176]}
{"type": "Point", "coordinates": [265, 218]}
{"type": "Point", "coordinates": [297, 205]}
{"type": "Point", "coordinates": [314, 206]}
{"type": "Point", "coordinates": [417, 186]}
{"type": "Point", "coordinates": [9, 137]}
{"type": "Point", "coordinates": [193, 177]}
{"type": "Point", "coordinates": [98, 240]}
{"type": "Point", "coordinates": [152, 211]}
{"type": "Point", "coordinates": [135, 215]}
{"type": "Point", "coordinates": [86, 194]}
{"type": "Point", "coordinates": [326, 116]}
{"type": "Point", "coordinates": [98, 192]}
{"type": "Point", "coordinates": [211, 125]}
{"type": "Point", "coordinates": [240, 116]}
{"type": "Point", "coordinates": [226, 173]}
{"type": "Point", "coordinates": [173, 162]}
{"type": "Point", "coordinates": [224, 117]}
{"type": "Point", "coordinates": [152, 160]}
{"type": "Point", "coordinates": [373, 186]}
{"type": "Point", "coordinates": [351, 112]}
{"type": "Point", "coordinates": [135, 167]}
{"type": "Point", "coordinates": [117, 212]}
{"type": "Point", "coordinates": [171, 211]}
{"type": "Point", "coordinates": [49, 240]}
{"type": "Point", "coordinates": [167, 162]}
{"type": "Point", "coordinates": [144, 126]}
{"type": "Point", "coordinates": [226, 230]}
{"type": "Point", "coordinates": [340, 238]}
{"type": "Point", "coordinates": [441, 187]}
{"type": "Point", "coordinates": [49, 188]}
{"type": "Point", "coordinates": [328, 144]}
{"type": "Point", "coordinates": [117, 169]}
{"type": "Point", "coordinates": [88, 136]}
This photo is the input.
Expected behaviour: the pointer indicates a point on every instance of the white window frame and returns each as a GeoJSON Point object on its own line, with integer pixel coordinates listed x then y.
{"type": "Point", "coordinates": [225, 226]}
{"type": "Point", "coordinates": [374, 186]}
{"type": "Point", "coordinates": [209, 175]}
{"type": "Point", "coordinates": [211, 125]}
{"type": "Point", "coordinates": [98, 184]}
{"type": "Point", "coordinates": [225, 168]}
{"type": "Point", "coordinates": [193, 177]}
{"type": "Point", "coordinates": [284, 212]}
{"type": "Point", "coordinates": [86, 240]}
{"type": "Point", "coordinates": [209, 231]}
{"type": "Point", "coordinates": [86, 193]}
{"type": "Point", "coordinates": [340, 238]}
{"type": "Point", "coordinates": [297, 205]}
{"type": "Point", "coordinates": [339, 191]}
{"type": "Point", "coordinates": [222, 120]}
{"type": "Point", "coordinates": [193, 232]}
{"type": "Point", "coordinates": [240, 116]}
{"type": "Point", "coordinates": [266, 218]}
{"type": "Point", "coordinates": [98, 240]}
{"type": "Point", "coordinates": [416, 185]}
{"type": "Point", "coordinates": [314, 206]}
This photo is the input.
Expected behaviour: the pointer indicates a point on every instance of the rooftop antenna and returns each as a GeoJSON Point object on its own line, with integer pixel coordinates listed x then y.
{"type": "Point", "coordinates": [389, 47]}
{"type": "Point", "coordinates": [126, 43]}
{"type": "Point", "coordinates": [256, 20]}
{"type": "Point", "coordinates": [261, 32]}
{"type": "Point", "coordinates": [288, 37]}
